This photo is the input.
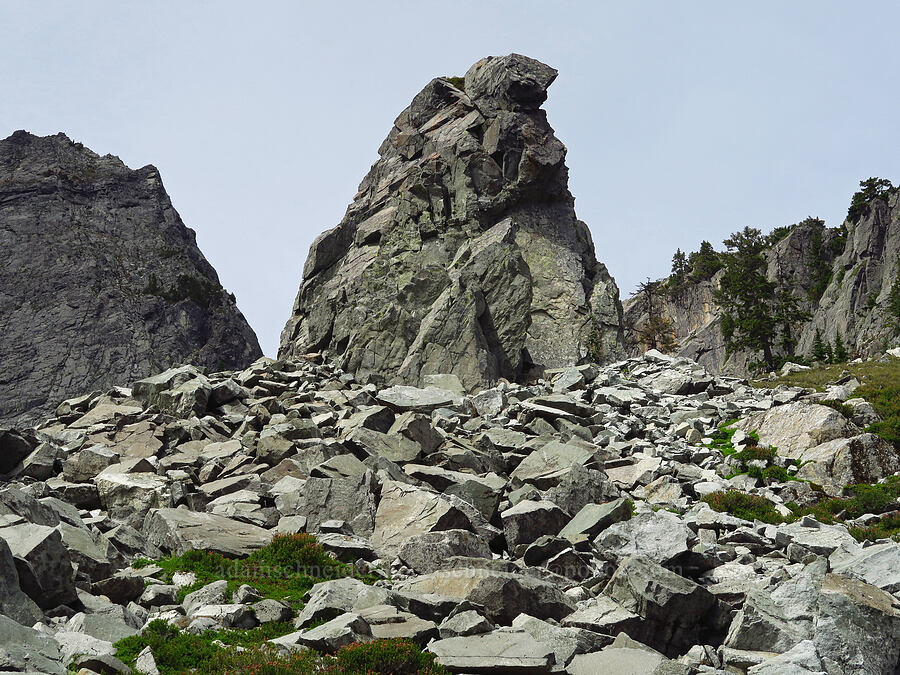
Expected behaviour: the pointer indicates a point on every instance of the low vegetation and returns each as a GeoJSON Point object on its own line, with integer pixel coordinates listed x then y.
{"type": "Point", "coordinates": [743, 505]}
{"type": "Point", "coordinates": [243, 652]}
{"type": "Point", "coordinates": [858, 500]}
{"type": "Point", "coordinates": [200, 291]}
{"type": "Point", "coordinates": [458, 82]}
{"type": "Point", "coordinates": [284, 570]}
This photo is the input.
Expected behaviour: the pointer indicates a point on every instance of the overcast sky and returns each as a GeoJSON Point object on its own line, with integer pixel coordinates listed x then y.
{"type": "Point", "coordinates": [684, 120]}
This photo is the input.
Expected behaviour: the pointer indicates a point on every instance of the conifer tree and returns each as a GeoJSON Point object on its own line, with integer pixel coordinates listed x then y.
{"type": "Point", "coordinates": [679, 269]}
{"type": "Point", "coordinates": [839, 352]}
{"type": "Point", "coordinates": [819, 351]}
{"type": "Point", "coordinates": [751, 311]}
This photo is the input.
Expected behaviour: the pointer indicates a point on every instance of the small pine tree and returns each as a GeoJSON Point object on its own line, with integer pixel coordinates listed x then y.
{"type": "Point", "coordinates": [829, 354]}
{"type": "Point", "coordinates": [679, 269]}
{"type": "Point", "coordinates": [839, 352]}
{"type": "Point", "coordinates": [819, 351]}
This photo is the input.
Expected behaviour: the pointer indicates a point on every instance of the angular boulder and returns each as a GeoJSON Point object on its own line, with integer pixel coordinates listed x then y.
{"type": "Point", "coordinates": [178, 531]}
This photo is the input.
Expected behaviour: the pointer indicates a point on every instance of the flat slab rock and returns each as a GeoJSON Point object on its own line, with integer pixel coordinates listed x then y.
{"type": "Point", "coordinates": [404, 398]}
{"type": "Point", "coordinates": [179, 531]}
{"type": "Point", "coordinates": [500, 651]}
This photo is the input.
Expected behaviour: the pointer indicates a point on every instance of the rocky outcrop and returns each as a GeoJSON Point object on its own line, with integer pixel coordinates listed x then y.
{"type": "Point", "coordinates": [101, 282]}
{"type": "Point", "coordinates": [841, 276]}
{"type": "Point", "coordinates": [461, 252]}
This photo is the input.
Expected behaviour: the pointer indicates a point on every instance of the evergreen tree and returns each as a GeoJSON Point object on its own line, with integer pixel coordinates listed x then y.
{"type": "Point", "coordinates": [839, 353]}
{"type": "Point", "coordinates": [705, 262]}
{"type": "Point", "coordinates": [871, 189]}
{"type": "Point", "coordinates": [751, 313]}
{"type": "Point", "coordinates": [819, 351]}
{"type": "Point", "coordinates": [679, 268]}
{"type": "Point", "coordinates": [788, 313]}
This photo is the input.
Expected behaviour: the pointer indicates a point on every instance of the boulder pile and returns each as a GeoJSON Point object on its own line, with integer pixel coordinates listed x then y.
{"type": "Point", "coordinates": [554, 527]}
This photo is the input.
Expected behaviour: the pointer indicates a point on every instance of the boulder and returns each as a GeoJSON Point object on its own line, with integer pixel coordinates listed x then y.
{"type": "Point", "coordinates": [528, 520]}
{"type": "Point", "coordinates": [179, 530]}
{"type": "Point", "coordinates": [14, 603]}
{"type": "Point", "coordinates": [329, 599]}
{"type": "Point", "coordinates": [594, 518]}
{"type": "Point", "coordinates": [429, 551]}
{"type": "Point", "coordinates": [660, 536]}
{"type": "Point", "coordinates": [43, 564]}
{"type": "Point", "coordinates": [332, 635]}
{"type": "Point", "coordinates": [515, 280]}
{"type": "Point", "coordinates": [500, 651]}
{"type": "Point", "coordinates": [548, 465]}
{"type": "Point", "coordinates": [581, 486]}
{"type": "Point", "coordinates": [15, 446]}
{"type": "Point", "coordinates": [23, 649]}
{"type": "Point", "coordinates": [129, 496]}
{"type": "Point", "coordinates": [796, 427]}
{"type": "Point", "coordinates": [503, 595]}
{"type": "Point", "coordinates": [675, 612]}
{"type": "Point", "coordinates": [406, 511]}
{"type": "Point", "coordinates": [350, 499]}
{"type": "Point", "coordinates": [865, 458]}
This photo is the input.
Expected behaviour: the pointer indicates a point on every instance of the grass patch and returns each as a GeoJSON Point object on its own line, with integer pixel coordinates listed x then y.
{"type": "Point", "coordinates": [742, 505]}
{"type": "Point", "coordinates": [283, 570]}
{"type": "Point", "coordinates": [721, 438]}
{"type": "Point", "coordinates": [177, 652]}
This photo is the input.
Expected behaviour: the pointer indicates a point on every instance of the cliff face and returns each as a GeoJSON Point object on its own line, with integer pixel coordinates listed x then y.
{"type": "Point", "coordinates": [843, 282]}
{"type": "Point", "coordinates": [101, 282]}
{"type": "Point", "coordinates": [461, 252]}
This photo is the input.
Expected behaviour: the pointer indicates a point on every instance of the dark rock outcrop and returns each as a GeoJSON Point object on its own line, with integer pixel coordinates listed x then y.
{"type": "Point", "coordinates": [461, 253]}
{"type": "Point", "coordinates": [101, 282]}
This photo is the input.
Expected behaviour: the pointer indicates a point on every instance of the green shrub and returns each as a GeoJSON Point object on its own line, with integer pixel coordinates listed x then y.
{"type": "Point", "coordinates": [200, 291]}
{"type": "Point", "coordinates": [840, 406]}
{"type": "Point", "coordinates": [885, 398]}
{"type": "Point", "coordinates": [386, 657]}
{"type": "Point", "coordinates": [755, 452]}
{"type": "Point", "coordinates": [174, 651]}
{"type": "Point", "coordinates": [743, 505]}
{"type": "Point", "coordinates": [776, 474]}
{"type": "Point", "coordinates": [885, 528]}
{"type": "Point", "coordinates": [458, 82]}
{"type": "Point", "coordinates": [873, 188]}
{"type": "Point", "coordinates": [721, 438]}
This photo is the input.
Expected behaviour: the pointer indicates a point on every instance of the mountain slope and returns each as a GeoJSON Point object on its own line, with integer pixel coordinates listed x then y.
{"type": "Point", "coordinates": [101, 283]}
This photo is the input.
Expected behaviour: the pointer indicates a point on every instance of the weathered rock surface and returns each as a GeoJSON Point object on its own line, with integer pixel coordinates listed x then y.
{"type": "Point", "coordinates": [101, 283]}
{"type": "Point", "coordinates": [461, 252]}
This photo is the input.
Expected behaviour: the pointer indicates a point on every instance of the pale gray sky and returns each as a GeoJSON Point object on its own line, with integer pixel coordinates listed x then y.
{"type": "Point", "coordinates": [684, 120]}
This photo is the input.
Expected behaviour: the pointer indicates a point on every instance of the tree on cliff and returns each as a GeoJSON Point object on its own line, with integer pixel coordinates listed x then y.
{"type": "Point", "coordinates": [871, 189]}
{"type": "Point", "coordinates": [656, 332]}
{"type": "Point", "coordinates": [753, 309]}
